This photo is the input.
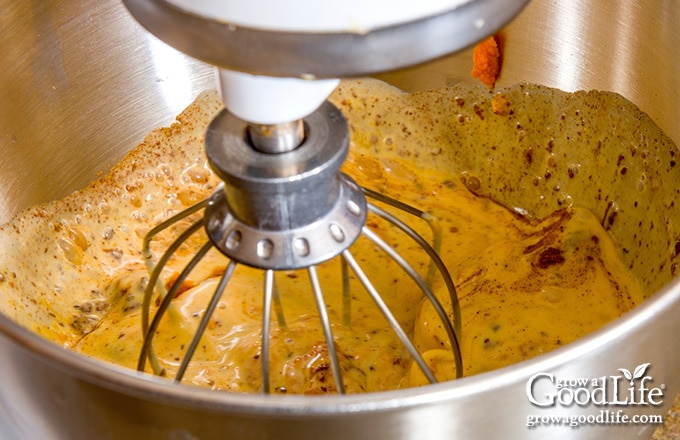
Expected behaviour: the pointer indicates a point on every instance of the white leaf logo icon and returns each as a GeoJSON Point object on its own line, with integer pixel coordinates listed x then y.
{"type": "Point", "coordinates": [640, 370]}
{"type": "Point", "coordinates": [626, 374]}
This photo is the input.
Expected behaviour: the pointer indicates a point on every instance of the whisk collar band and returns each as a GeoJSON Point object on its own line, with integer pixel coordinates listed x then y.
{"type": "Point", "coordinates": [294, 248]}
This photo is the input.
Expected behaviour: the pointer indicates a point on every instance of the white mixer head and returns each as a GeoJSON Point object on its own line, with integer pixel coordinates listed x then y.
{"type": "Point", "coordinates": [271, 100]}
{"type": "Point", "coordinates": [355, 16]}
{"type": "Point", "coordinates": [279, 60]}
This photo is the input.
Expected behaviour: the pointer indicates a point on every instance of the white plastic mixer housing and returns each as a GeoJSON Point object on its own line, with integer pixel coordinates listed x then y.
{"type": "Point", "coordinates": [272, 100]}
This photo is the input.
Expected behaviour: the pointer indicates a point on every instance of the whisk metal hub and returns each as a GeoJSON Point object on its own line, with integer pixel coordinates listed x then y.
{"type": "Point", "coordinates": [283, 190]}
{"type": "Point", "coordinates": [284, 210]}
{"type": "Point", "coordinates": [287, 249]}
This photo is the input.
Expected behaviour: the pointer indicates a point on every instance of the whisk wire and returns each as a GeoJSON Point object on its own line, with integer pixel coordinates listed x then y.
{"type": "Point", "coordinates": [155, 268]}
{"type": "Point", "coordinates": [165, 303]}
{"type": "Point", "coordinates": [155, 283]}
{"type": "Point", "coordinates": [266, 324]}
{"type": "Point", "coordinates": [326, 326]}
{"type": "Point", "coordinates": [436, 259]}
{"type": "Point", "coordinates": [346, 295]}
{"type": "Point", "coordinates": [431, 220]}
{"type": "Point", "coordinates": [278, 308]}
{"type": "Point", "coordinates": [146, 243]}
{"type": "Point", "coordinates": [432, 250]}
{"type": "Point", "coordinates": [203, 324]}
{"type": "Point", "coordinates": [380, 303]}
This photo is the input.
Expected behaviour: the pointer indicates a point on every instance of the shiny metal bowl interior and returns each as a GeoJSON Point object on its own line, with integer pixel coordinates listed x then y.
{"type": "Point", "coordinates": [81, 83]}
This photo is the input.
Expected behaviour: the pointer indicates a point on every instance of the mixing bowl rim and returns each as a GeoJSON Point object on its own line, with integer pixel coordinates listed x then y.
{"type": "Point", "coordinates": [143, 386]}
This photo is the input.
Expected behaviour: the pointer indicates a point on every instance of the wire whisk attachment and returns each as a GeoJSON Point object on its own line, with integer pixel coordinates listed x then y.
{"type": "Point", "coordinates": [295, 211]}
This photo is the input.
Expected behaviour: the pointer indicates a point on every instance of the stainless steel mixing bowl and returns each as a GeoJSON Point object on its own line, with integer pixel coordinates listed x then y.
{"type": "Point", "coordinates": [81, 82]}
